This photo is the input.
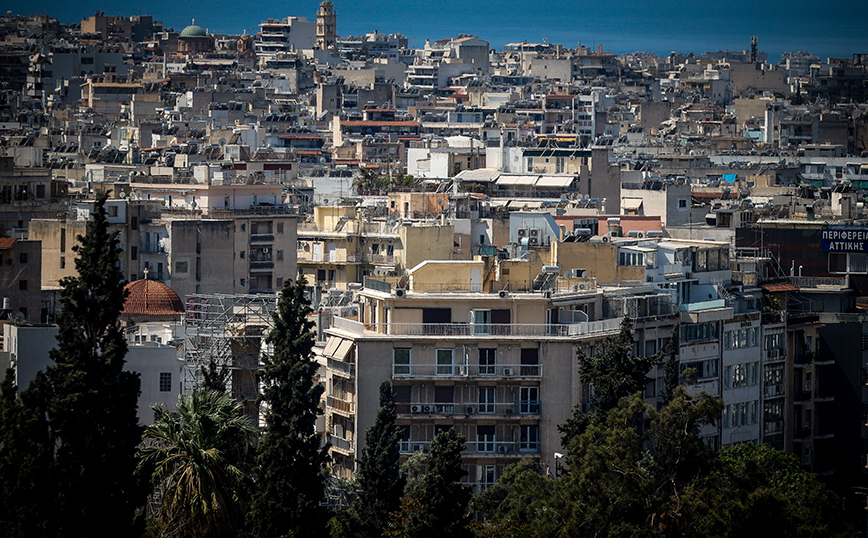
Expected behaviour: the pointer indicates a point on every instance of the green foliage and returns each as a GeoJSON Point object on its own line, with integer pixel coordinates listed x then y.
{"type": "Point", "coordinates": [371, 181]}
{"type": "Point", "coordinates": [214, 376]}
{"type": "Point", "coordinates": [614, 373]}
{"type": "Point", "coordinates": [517, 504]}
{"type": "Point", "coordinates": [199, 459]}
{"type": "Point", "coordinates": [443, 499]}
{"type": "Point", "coordinates": [413, 470]}
{"type": "Point", "coordinates": [25, 459]}
{"type": "Point", "coordinates": [89, 398]}
{"type": "Point", "coordinates": [768, 489]}
{"type": "Point", "coordinates": [379, 478]}
{"type": "Point", "coordinates": [290, 459]}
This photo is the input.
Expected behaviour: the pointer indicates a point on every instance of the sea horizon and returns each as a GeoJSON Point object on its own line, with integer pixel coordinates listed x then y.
{"type": "Point", "coordinates": [840, 29]}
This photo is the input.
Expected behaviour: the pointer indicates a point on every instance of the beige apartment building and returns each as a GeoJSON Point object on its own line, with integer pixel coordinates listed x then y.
{"type": "Point", "coordinates": [497, 367]}
{"type": "Point", "coordinates": [236, 251]}
{"type": "Point", "coordinates": [339, 246]}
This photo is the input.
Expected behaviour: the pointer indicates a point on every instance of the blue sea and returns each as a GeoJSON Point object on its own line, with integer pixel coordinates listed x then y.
{"type": "Point", "coordinates": [833, 28]}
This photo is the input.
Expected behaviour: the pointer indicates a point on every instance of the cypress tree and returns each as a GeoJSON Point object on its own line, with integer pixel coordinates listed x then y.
{"type": "Point", "coordinates": [443, 499]}
{"type": "Point", "coordinates": [289, 476]}
{"type": "Point", "coordinates": [91, 399]}
{"type": "Point", "coordinates": [379, 478]}
{"type": "Point", "coordinates": [25, 458]}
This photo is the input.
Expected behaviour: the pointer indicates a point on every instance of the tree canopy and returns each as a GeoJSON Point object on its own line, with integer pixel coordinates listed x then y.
{"type": "Point", "coordinates": [290, 458]}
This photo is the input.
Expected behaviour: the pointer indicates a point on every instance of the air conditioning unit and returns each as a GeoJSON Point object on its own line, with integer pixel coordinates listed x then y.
{"type": "Point", "coordinates": [533, 242]}
{"type": "Point", "coordinates": [426, 408]}
{"type": "Point", "coordinates": [503, 294]}
{"type": "Point", "coordinates": [502, 449]}
{"type": "Point", "coordinates": [418, 448]}
{"type": "Point", "coordinates": [400, 292]}
{"type": "Point", "coordinates": [535, 233]}
{"type": "Point", "coordinates": [468, 410]}
{"type": "Point", "coordinates": [508, 371]}
{"type": "Point", "coordinates": [415, 409]}
{"type": "Point", "coordinates": [523, 232]}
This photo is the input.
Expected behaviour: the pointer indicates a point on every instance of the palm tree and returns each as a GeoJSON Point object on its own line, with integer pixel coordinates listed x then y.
{"type": "Point", "coordinates": [199, 459]}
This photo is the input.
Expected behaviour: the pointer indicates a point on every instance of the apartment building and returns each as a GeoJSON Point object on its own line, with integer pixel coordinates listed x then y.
{"type": "Point", "coordinates": [20, 279]}
{"type": "Point", "coordinates": [497, 367]}
{"type": "Point", "coordinates": [340, 246]}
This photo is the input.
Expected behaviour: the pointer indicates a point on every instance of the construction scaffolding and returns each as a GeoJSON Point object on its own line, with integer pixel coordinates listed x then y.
{"type": "Point", "coordinates": [231, 330]}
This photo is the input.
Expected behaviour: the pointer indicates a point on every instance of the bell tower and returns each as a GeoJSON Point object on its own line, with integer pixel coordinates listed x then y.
{"type": "Point", "coordinates": [326, 26]}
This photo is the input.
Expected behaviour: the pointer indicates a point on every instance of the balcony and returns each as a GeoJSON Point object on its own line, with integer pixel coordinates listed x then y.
{"type": "Point", "coordinates": [428, 410]}
{"type": "Point", "coordinates": [261, 239]}
{"type": "Point", "coordinates": [149, 248]}
{"type": "Point", "coordinates": [343, 445]}
{"type": "Point", "coordinates": [344, 407]}
{"type": "Point", "coordinates": [468, 371]}
{"type": "Point", "coordinates": [495, 329]}
{"type": "Point", "coordinates": [480, 448]}
{"type": "Point", "coordinates": [261, 265]}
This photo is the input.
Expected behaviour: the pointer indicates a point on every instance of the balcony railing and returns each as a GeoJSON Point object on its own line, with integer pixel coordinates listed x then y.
{"type": "Point", "coordinates": [340, 443]}
{"type": "Point", "coordinates": [466, 371]}
{"type": "Point", "coordinates": [467, 409]}
{"type": "Point", "coordinates": [496, 329]}
{"type": "Point", "coordinates": [262, 238]}
{"type": "Point", "coordinates": [340, 404]}
{"type": "Point", "coordinates": [486, 447]}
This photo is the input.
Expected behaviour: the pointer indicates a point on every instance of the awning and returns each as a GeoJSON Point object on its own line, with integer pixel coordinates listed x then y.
{"type": "Point", "coordinates": [631, 204]}
{"type": "Point", "coordinates": [560, 181]}
{"type": "Point", "coordinates": [517, 179]}
{"type": "Point", "coordinates": [780, 287]}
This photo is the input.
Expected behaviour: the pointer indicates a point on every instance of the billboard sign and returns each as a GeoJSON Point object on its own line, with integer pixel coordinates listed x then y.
{"type": "Point", "coordinates": [845, 239]}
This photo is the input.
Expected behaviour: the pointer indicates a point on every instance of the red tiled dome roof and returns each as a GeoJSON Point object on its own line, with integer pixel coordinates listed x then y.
{"type": "Point", "coordinates": [152, 298]}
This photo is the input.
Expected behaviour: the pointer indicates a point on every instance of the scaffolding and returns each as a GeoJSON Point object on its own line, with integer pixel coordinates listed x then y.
{"type": "Point", "coordinates": [231, 330]}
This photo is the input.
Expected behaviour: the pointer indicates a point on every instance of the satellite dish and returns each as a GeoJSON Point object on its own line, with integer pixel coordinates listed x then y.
{"type": "Point", "coordinates": [123, 194]}
{"type": "Point", "coordinates": [19, 316]}
{"type": "Point", "coordinates": [221, 141]}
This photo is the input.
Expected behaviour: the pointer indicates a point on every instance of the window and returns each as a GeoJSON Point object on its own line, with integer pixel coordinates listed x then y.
{"type": "Point", "coordinates": [444, 362]}
{"type": "Point", "coordinates": [485, 438]}
{"type": "Point", "coordinates": [404, 441]}
{"type": "Point", "coordinates": [134, 253]}
{"type": "Point", "coordinates": [529, 441]}
{"type": "Point", "coordinates": [487, 361]}
{"type": "Point", "coordinates": [22, 258]}
{"type": "Point", "coordinates": [63, 239]}
{"type": "Point", "coordinates": [242, 282]}
{"type": "Point", "coordinates": [704, 369]}
{"type": "Point", "coordinates": [529, 401]}
{"type": "Point", "coordinates": [134, 223]}
{"type": "Point", "coordinates": [280, 227]}
{"type": "Point", "coordinates": [242, 255]}
{"type": "Point", "coordinates": [63, 262]}
{"type": "Point", "coordinates": [401, 361]}
{"type": "Point", "coordinates": [530, 361]}
{"type": "Point", "coordinates": [279, 282]}
{"type": "Point", "coordinates": [22, 285]}
{"type": "Point", "coordinates": [112, 211]}
{"type": "Point", "coordinates": [530, 164]}
{"type": "Point", "coordinates": [279, 255]}
{"type": "Point", "coordinates": [165, 381]}
{"type": "Point", "coordinates": [487, 396]}
{"type": "Point", "coordinates": [682, 203]}
{"type": "Point", "coordinates": [181, 267]}
{"type": "Point", "coordinates": [486, 476]}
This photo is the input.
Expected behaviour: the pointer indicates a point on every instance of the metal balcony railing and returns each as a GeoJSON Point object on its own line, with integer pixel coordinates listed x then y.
{"type": "Point", "coordinates": [467, 409]}
{"type": "Point", "coordinates": [479, 446]}
{"type": "Point", "coordinates": [466, 371]}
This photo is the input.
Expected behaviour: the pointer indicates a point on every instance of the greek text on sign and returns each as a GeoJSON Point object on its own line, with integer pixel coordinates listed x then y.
{"type": "Point", "coordinates": [845, 239]}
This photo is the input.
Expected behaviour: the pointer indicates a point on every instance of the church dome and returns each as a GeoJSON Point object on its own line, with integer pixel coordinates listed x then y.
{"type": "Point", "coordinates": [149, 298]}
{"type": "Point", "coordinates": [193, 30]}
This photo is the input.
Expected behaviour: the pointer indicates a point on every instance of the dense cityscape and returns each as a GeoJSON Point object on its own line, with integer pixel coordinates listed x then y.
{"type": "Point", "coordinates": [642, 278]}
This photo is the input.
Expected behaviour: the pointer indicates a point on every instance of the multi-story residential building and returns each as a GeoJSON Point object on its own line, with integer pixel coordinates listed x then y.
{"type": "Point", "coordinates": [20, 279]}
{"type": "Point", "coordinates": [284, 36]}
{"type": "Point", "coordinates": [497, 367]}
{"type": "Point", "coordinates": [340, 247]}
